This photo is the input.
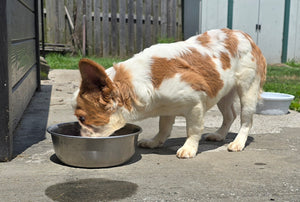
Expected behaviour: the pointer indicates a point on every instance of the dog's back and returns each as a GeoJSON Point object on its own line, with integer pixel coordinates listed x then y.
{"type": "Point", "coordinates": [208, 65]}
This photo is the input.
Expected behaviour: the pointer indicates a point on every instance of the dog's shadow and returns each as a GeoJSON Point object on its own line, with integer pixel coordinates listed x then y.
{"type": "Point", "coordinates": [171, 146]}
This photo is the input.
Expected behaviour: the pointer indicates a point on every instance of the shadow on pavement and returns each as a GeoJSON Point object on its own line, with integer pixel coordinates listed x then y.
{"type": "Point", "coordinates": [93, 189]}
{"type": "Point", "coordinates": [32, 127]}
{"type": "Point", "coordinates": [173, 144]}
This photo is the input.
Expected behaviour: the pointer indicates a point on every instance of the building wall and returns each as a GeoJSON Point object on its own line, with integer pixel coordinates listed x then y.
{"type": "Point", "coordinates": [191, 18]}
{"type": "Point", "coordinates": [213, 12]}
{"type": "Point", "coordinates": [21, 55]}
{"type": "Point", "coordinates": [21, 70]}
{"type": "Point", "coordinates": [269, 16]}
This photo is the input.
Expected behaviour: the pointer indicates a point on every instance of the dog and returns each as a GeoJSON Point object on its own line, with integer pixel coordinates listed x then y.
{"type": "Point", "coordinates": [184, 78]}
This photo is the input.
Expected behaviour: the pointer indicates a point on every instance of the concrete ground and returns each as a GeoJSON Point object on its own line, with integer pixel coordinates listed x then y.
{"type": "Point", "coordinates": [267, 170]}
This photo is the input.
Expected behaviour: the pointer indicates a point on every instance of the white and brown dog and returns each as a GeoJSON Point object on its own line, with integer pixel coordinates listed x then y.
{"type": "Point", "coordinates": [179, 79]}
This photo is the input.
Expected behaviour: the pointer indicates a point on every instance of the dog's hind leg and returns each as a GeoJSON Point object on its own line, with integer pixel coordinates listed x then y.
{"type": "Point", "coordinates": [165, 128]}
{"type": "Point", "coordinates": [248, 91]}
{"type": "Point", "coordinates": [227, 107]}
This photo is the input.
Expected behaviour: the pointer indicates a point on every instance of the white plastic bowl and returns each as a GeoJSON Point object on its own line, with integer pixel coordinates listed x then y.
{"type": "Point", "coordinates": [274, 103]}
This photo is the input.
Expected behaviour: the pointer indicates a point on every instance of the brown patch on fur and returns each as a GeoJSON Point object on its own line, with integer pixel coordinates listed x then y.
{"type": "Point", "coordinates": [231, 42]}
{"type": "Point", "coordinates": [204, 39]}
{"type": "Point", "coordinates": [261, 63]}
{"type": "Point", "coordinates": [97, 94]}
{"type": "Point", "coordinates": [225, 60]}
{"type": "Point", "coordinates": [196, 69]}
{"type": "Point", "coordinates": [123, 81]}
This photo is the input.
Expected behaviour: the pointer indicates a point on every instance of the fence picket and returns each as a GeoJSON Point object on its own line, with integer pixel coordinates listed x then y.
{"type": "Point", "coordinates": [130, 27]}
{"type": "Point", "coordinates": [122, 29]}
{"type": "Point", "coordinates": [114, 27]}
{"type": "Point", "coordinates": [163, 19]}
{"type": "Point", "coordinates": [69, 31]}
{"type": "Point", "coordinates": [139, 25]}
{"type": "Point", "coordinates": [97, 30]}
{"type": "Point", "coordinates": [61, 21]}
{"type": "Point", "coordinates": [171, 18]}
{"type": "Point", "coordinates": [78, 24]}
{"type": "Point", "coordinates": [105, 27]}
{"type": "Point", "coordinates": [148, 34]}
{"type": "Point", "coordinates": [179, 20]}
{"type": "Point", "coordinates": [51, 24]}
{"type": "Point", "coordinates": [155, 33]}
{"type": "Point", "coordinates": [89, 27]}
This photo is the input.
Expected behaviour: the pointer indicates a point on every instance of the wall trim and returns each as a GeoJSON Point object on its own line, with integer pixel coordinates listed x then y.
{"type": "Point", "coordinates": [230, 14]}
{"type": "Point", "coordinates": [286, 22]}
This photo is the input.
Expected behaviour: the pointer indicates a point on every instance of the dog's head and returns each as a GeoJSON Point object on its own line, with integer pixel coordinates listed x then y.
{"type": "Point", "coordinates": [97, 101]}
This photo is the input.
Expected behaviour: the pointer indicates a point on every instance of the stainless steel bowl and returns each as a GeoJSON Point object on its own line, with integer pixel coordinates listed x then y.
{"type": "Point", "coordinates": [90, 152]}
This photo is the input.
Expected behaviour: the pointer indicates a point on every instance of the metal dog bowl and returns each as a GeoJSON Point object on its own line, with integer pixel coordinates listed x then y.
{"type": "Point", "coordinates": [274, 103]}
{"type": "Point", "coordinates": [91, 152]}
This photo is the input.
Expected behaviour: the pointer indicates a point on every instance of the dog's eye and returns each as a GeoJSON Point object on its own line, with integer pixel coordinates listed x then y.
{"type": "Point", "coordinates": [81, 119]}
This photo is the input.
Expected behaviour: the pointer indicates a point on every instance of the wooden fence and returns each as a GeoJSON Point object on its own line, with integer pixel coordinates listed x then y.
{"type": "Point", "coordinates": [111, 27]}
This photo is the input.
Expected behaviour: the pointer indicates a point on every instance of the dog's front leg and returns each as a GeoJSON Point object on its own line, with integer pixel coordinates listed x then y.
{"type": "Point", "coordinates": [165, 128]}
{"type": "Point", "coordinates": [194, 127]}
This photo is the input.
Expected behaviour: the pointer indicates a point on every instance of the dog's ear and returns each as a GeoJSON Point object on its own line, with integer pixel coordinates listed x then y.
{"type": "Point", "coordinates": [93, 76]}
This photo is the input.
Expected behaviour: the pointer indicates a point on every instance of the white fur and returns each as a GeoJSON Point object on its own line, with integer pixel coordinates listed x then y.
{"type": "Point", "coordinates": [73, 101]}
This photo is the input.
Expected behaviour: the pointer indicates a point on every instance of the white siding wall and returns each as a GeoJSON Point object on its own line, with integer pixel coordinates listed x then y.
{"type": "Point", "coordinates": [271, 18]}
{"type": "Point", "coordinates": [246, 16]}
{"type": "Point", "coordinates": [267, 13]}
{"type": "Point", "coordinates": [213, 14]}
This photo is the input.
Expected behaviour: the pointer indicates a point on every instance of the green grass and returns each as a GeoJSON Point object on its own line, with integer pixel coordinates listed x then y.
{"type": "Point", "coordinates": [166, 40]}
{"type": "Point", "coordinates": [43, 75]}
{"type": "Point", "coordinates": [285, 80]}
{"type": "Point", "coordinates": [58, 61]}
{"type": "Point", "coordinates": [293, 63]}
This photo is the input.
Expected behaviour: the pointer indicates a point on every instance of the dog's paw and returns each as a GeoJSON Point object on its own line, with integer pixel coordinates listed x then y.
{"type": "Point", "coordinates": [149, 143]}
{"type": "Point", "coordinates": [214, 137]}
{"type": "Point", "coordinates": [235, 147]}
{"type": "Point", "coordinates": [186, 152]}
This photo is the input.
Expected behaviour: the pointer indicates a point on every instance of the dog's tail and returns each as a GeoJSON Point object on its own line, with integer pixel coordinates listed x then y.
{"type": "Point", "coordinates": [262, 70]}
